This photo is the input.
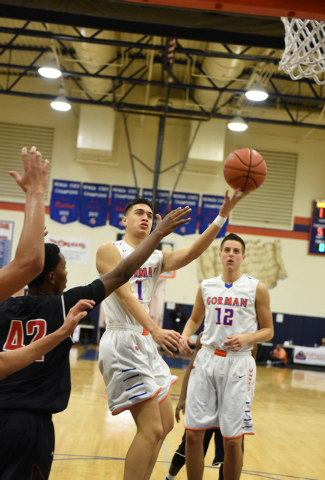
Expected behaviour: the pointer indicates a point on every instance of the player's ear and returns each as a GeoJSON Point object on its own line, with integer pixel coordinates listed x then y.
{"type": "Point", "coordinates": [51, 277]}
{"type": "Point", "coordinates": [124, 220]}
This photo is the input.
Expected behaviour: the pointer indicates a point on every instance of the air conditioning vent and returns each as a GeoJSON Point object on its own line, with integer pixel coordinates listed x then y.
{"type": "Point", "coordinates": [271, 205]}
{"type": "Point", "coordinates": [12, 138]}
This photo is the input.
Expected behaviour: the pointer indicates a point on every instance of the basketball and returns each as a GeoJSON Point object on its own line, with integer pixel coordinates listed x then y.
{"type": "Point", "coordinates": [245, 169]}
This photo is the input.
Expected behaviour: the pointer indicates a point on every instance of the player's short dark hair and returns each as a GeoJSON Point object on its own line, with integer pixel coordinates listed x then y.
{"type": "Point", "coordinates": [233, 236]}
{"type": "Point", "coordinates": [136, 201]}
{"type": "Point", "coordinates": [51, 261]}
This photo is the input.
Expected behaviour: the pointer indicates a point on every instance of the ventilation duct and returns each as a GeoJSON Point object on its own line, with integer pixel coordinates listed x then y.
{"type": "Point", "coordinates": [95, 135]}
{"type": "Point", "coordinates": [94, 57]}
{"type": "Point", "coordinates": [207, 152]}
{"type": "Point", "coordinates": [221, 71]}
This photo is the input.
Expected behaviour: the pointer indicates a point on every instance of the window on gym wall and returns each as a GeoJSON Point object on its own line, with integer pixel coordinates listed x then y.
{"type": "Point", "coordinates": [12, 138]}
{"type": "Point", "coordinates": [271, 205]}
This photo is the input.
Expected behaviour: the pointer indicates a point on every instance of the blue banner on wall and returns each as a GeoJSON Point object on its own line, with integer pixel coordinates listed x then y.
{"type": "Point", "coordinates": [209, 211]}
{"type": "Point", "coordinates": [192, 200]}
{"type": "Point", "coordinates": [161, 201]}
{"type": "Point", "coordinates": [94, 204]}
{"type": "Point", "coordinates": [65, 201]}
{"type": "Point", "coordinates": [121, 196]}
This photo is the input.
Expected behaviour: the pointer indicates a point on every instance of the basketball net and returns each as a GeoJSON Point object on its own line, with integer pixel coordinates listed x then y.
{"type": "Point", "coordinates": [304, 54]}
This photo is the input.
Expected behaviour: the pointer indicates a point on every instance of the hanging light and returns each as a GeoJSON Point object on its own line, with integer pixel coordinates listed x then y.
{"type": "Point", "coordinates": [237, 124]}
{"type": "Point", "coordinates": [257, 93]}
{"type": "Point", "coordinates": [61, 103]}
{"type": "Point", "coordinates": [50, 69]}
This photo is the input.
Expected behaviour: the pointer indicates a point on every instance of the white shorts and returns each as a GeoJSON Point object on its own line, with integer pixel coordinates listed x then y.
{"type": "Point", "coordinates": [132, 368]}
{"type": "Point", "coordinates": [220, 393]}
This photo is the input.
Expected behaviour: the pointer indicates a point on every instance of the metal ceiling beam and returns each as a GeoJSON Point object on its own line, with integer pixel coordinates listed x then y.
{"type": "Point", "coordinates": [177, 85]}
{"type": "Point", "coordinates": [153, 20]}
{"type": "Point", "coordinates": [158, 111]}
{"type": "Point", "coordinates": [119, 43]}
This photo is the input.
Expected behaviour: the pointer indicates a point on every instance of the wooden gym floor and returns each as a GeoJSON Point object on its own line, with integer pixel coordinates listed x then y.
{"type": "Point", "coordinates": [288, 413]}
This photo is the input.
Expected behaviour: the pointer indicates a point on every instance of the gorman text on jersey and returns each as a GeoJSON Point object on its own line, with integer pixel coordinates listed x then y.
{"type": "Point", "coordinates": [234, 302]}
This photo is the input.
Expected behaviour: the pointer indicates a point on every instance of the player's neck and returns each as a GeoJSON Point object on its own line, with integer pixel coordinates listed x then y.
{"type": "Point", "coordinates": [42, 290]}
{"type": "Point", "coordinates": [229, 277]}
{"type": "Point", "coordinates": [133, 240]}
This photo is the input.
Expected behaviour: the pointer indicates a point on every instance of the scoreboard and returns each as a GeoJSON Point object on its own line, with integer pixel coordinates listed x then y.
{"type": "Point", "coordinates": [317, 228]}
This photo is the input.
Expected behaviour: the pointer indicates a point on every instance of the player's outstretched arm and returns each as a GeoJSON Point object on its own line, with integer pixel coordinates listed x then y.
{"type": "Point", "coordinates": [192, 324]}
{"type": "Point", "coordinates": [29, 258]}
{"type": "Point", "coordinates": [179, 258]}
{"type": "Point", "coordinates": [265, 320]}
{"type": "Point", "coordinates": [182, 398]}
{"type": "Point", "coordinates": [11, 362]}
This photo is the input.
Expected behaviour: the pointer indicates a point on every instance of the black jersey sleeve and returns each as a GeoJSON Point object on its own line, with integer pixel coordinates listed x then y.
{"type": "Point", "coordinates": [94, 291]}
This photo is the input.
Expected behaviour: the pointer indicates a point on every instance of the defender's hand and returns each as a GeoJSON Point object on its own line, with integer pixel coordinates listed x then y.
{"type": "Point", "coordinates": [173, 220]}
{"type": "Point", "coordinates": [180, 408]}
{"type": "Point", "coordinates": [34, 177]}
{"type": "Point", "coordinates": [75, 314]}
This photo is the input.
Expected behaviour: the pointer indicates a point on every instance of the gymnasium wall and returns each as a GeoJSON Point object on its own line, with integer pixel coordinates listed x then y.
{"type": "Point", "coordinates": [302, 293]}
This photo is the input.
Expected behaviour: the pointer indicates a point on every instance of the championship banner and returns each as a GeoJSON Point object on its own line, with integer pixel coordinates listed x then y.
{"type": "Point", "coordinates": [182, 200]}
{"type": "Point", "coordinates": [161, 200]}
{"type": "Point", "coordinates": [6, 234]}
{"type": "Point", "coordinates": [65, 201]}
{"type": "Point", "coordinates": [94, 204]}
{"type": "Point", "coordinates": [74, 250]}
{"type": "Point", "coordinates": [309, 355]}
{"type": "Point", "coordinates": [209, 211]}
{"type": "Point", "coordinates": [121, 196]}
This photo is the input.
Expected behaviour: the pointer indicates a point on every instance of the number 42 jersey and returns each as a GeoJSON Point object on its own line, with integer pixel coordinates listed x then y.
{"type": "Point", "coordinates": [229, 310]}
{"type": "Point", "coordinates": [44, 385]}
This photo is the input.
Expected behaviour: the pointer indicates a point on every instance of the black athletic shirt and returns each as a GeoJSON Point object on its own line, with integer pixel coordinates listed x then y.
{"type": "Point", "coordinates": [44, 385]}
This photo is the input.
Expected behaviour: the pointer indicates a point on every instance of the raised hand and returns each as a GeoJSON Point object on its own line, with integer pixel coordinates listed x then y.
{"type": "Point", "coordinates": [75, 314]}
{"type": "Point", "coordinates": [34, 177]}
{"type": "Point", "coordinates": [166, 338]}
{"type": "Point", "coordinates": [173, 220]}
{"type": "Point", "coordinates": [229, 203]}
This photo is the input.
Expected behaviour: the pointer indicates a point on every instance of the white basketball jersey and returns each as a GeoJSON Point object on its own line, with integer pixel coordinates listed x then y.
{"type": "Point", "coordinates": [229, 310]}
{"type": "Point", "coordinates": [143, 284]}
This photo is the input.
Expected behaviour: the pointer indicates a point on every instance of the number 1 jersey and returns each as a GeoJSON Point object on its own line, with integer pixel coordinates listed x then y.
{"type": "Point", "coordinates": [143, 284]}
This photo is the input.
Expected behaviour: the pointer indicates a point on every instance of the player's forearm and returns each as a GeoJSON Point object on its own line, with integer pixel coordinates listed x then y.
{"type": "Point", "coordinates": [190, 328]}
{"type": "Point", "coordinates": [185, 379]}
{"type": "Point", "coordinates": [11, 362]}
{"type": "Point", "coordinates": [30, 250]}
{"type": "Point", "coordinates": [133, 262]}
{"type": "Point", "coordinates": [262, 335]}
{"type": "Point", "coordinates": [135, 308]}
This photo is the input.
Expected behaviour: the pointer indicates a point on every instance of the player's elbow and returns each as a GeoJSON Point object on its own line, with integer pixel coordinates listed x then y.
{"type": "Point", "coordinates": [3, 369]}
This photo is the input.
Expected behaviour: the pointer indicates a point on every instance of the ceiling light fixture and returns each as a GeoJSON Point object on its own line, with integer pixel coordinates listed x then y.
{"type": "Point", "coordinates": [237, 124]}
{"type": "Point", "coordinates": [50, 69]}
{"type": "Point", "coordinates": [257, 93]}
{"type": "Point", "coordinates": [61, 103]}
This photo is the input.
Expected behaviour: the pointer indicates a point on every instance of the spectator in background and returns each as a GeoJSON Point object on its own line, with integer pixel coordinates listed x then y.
{"type": "Point", "coordinates": [322, 343]}
{"type": "Point", "coordinates": [278, 357]}
{"type": "Point", "coordinates": [178, 319]}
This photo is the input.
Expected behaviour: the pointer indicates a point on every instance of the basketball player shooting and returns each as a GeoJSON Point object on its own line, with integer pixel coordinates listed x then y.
{"type": "Point", "coordinates": [136, 376]}
{"type": "Point", "coordinates": [221, 386]}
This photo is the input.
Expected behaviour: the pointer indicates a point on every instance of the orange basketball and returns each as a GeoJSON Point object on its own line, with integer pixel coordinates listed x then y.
{"type": "Point", "coordinates": [245, 169]}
